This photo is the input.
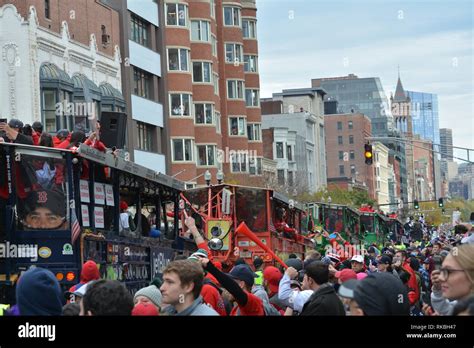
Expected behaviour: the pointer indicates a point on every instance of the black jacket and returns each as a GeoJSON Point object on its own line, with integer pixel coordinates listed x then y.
{"type": "Point", "coordinates": [324, 301]}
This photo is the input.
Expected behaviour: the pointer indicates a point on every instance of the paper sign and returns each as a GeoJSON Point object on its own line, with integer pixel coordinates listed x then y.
{"type": "Point", "coordinates": [109, 195]}
{"type": "Point", "coordinates": [85, 215]}
{"type": "Point", "coordinates": [99, 217]}
{"type": "Point", "coordinates": [99, 194]}
{"type": "Point", "coordinates": [84, 189]}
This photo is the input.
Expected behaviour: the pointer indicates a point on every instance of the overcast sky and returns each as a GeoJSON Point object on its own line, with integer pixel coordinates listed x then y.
{"type": "Point", "coordinates": [431, 40]}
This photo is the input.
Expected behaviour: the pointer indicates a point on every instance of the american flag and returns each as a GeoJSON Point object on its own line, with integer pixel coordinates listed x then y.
{"type": "Point", "coordinates": [75, 227]}
{"type": "Point", "coordinates": [272, 226]}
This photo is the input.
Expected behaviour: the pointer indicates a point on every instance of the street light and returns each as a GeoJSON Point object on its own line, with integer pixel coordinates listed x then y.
{"type": "Point", "coordinates": [220, 176]}
{"type": "Point", "coordinates": [207, 177]}
{"type": "Point", "coordinates": [329, 199]}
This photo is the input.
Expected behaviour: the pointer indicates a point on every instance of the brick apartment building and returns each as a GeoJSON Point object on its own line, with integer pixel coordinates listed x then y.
{"type": "Point", "coordinates": [213, 90]}
{"type": "Point", "coordinates": [345, 139]}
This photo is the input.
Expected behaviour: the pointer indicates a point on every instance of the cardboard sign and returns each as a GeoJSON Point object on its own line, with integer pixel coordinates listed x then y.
{"type": "Point", "coordinates": [109, 195]}
{"type": "Point", "coordinates": [99, 194]}
{"type": "Point", "coordinates": [85, 215]}
{"type": "Point", "coordinates": [99, 217]}
{"type": "Point", "coordinates": [84, 190]}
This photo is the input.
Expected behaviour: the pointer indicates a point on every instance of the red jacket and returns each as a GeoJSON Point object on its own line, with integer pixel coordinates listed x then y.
{"type": "Point", "coordinates": [36, 138]}
{"type": "Point", "coordinates": [96, 144]}
{"type": "Point", "coordinates": [412, 283]}
{"type": "Point", "coordinates": [213, 298]}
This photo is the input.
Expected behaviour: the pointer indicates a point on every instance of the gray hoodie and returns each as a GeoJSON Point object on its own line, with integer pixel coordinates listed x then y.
{"type": "Point", "coordinates": [441, 304]}
{"type": "Point", "coordinates": [197, 308]}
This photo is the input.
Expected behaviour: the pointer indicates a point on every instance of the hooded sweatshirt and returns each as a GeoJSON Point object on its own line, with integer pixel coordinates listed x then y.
{"type": "Point", "coordinates": [38, 293]}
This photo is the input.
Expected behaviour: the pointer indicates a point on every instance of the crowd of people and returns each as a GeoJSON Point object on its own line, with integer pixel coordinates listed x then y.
{"type": "Point", "coordinates": [16, 132]}
{"type": "Point", "coordinates": [430, 276]}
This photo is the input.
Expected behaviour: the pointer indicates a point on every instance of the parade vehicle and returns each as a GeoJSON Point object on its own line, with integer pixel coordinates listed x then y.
{"type": "Point", "coordinates": [248, 222]}
{"type": "Point", "coordinates": [60, 208]}
{"type": "Point", "coordinates": [355, 225]}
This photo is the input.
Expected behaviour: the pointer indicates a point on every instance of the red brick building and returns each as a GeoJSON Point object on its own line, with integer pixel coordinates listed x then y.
{"type": "Point", "coordinates": [345, 139]}
{"type": "Point", "coordinates": [213, 89]}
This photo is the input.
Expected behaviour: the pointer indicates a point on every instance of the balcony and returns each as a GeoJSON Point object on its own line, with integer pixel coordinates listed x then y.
{"type": "Point", "coordinates": [144, 58]}
{"type": "Point", "coordinates": [154, 161]}
{"type": "Point", "coordinates": [147, 9]}
{"type": "Point", "coordinates": [147, 111]}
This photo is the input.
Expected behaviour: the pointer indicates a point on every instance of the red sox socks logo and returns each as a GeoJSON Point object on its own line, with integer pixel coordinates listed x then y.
{"type": "Point", "coordinates": [42, 197]}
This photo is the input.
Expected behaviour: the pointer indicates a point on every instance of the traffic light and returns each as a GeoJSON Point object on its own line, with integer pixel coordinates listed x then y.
{"type": "Point", "coordinates": [440, 203]}
{"type": "Point", "coordinates": [368, 154]}
{"type": "Point", "coordinates": [416, 204]}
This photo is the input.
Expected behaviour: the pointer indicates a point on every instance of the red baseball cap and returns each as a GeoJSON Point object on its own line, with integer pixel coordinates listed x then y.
{"type": "Point", "coordinates": [273, 276]}
{"type": "Point", "coordinates": [346, 274]}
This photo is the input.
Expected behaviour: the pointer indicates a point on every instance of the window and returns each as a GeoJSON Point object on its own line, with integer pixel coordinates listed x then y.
{"type": "Point", "coordinates": [252, 97]}
{"type": "Point", "coordinates": [178, 59]}
{"type": "Point", "coordinates": [339, 125]}
{"type": "Point", "coordinates": [218, 122]}
{"type": "Point", "coordinates": [176, 14]}
{"type": "Point", "coordinates": [351, 125]}
{"type": "Point", "coordinates": [214, 45]}
{"type": "Point", "coordinates": [231, 16]}
{"type": "Point", "coordinates": [202, 72]}
{"type": "Point", "coordinates": [182, 150]}
{"type": "Point", "coordinates": [250, 63]}
{"type": "Point", "coordinates": [142, 82]}
{"type": "Point", "coordinates": [255, 166]}
{"type": "Point", "coordinates": [203, 113]}
{"type": "Point", "coordinates": [290, 178]}
{"type": "Point", "coordinates": [341, 170]}
{"type": "Point", "coordinates": [237, 126]}
{"type": "Point", "coordinates": [239, 162]}
{"type": "Point", "coordinates": [249, 29]}
{"type": "Point", "coordinates": [180, 104]}
{"type": "Point", "coordinates": [47, 9]}
{"type": "Point", "coordinates": [234, 53]}
{"type": "Point", "coordinates": [215, 80]}
{"type": "Point", "coordinates": [279, 150]}
{"type": "Point", "coordinates": [254, 131]}
{"type": "Point", "coordinates": [213, 8]}
{"type": "Point", "coordinates": [145, 136]}
{"type": "Point", "coordinates": [341, 155]}
{"type": "Point", "coordinates": [139, 30]}
{"type": "Point", "coordinates": [235, 89]}
{"type": "Point", "coordinates": [281, 177]}
{"type": "Point", "coordinates": [289, 152]}
{"type": "Point", "coordinates": [351, 139]}
{"type": "Point", "coordinates": [353, 169]}
{"type": "Point", "coordinates": [352, 155]}
{"type": "Point", "coordinates": [206, 155]}
{"type": "Point", "coordinates": [200, 31]}
{"type": "Point", "coordinates": [190, 186]}
{"type": "Point", "coordinates": [339, 140]}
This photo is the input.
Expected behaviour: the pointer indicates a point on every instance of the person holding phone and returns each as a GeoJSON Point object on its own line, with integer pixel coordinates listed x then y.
{"type": "Point", "coordinates": [13, 131]}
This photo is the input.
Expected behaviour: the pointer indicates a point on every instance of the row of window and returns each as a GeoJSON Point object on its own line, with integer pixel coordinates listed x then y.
{"type": "Point", "coordinates": [340, 140]}
{"type": "Point", "coordinates": [351, 155]}
{"type": "Point", "coordinates": [350, 125]}
{"type": "Point", "coordinates": [184, 150]}
{"type": "Point", "coordinates": [342, 170]}
{"type": "Point", "coordinates": [280, 151]}
{"type": "Point", "coordinates": [178, 59]}
{"type": "Point", "coordinates": [177, 15]}
{"type": "Point", "coordinates": [290, 177]}
{"type": "Point", "coordinates": [202, 72]}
